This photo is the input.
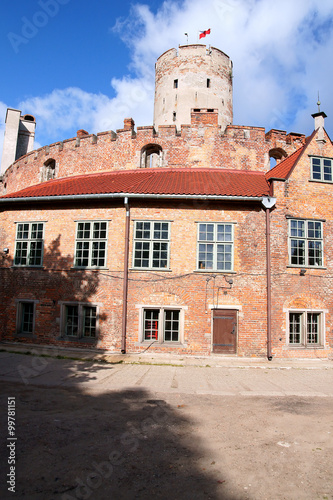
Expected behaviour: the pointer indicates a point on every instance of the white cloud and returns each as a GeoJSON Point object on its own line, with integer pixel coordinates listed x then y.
{"type": "Point", "coordinates": [281, 53]}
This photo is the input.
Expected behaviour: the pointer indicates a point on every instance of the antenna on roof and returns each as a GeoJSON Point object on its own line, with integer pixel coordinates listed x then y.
{"type": "Point", "coordinates": [318, 103]}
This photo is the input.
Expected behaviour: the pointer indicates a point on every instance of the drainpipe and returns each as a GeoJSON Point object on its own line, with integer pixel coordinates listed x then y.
{"type": "Point", "coordinates": [269, 203]}
{"type": "Point", "coordinates": [125, 283]}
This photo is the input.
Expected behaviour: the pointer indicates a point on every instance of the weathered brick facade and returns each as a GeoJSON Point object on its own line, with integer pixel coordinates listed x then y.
{"type": "Point", "coordinates": [191, 291]}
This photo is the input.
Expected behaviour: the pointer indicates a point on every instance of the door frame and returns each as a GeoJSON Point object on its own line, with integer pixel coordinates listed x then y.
{"type": "Point", "coordinates": [237, 310]}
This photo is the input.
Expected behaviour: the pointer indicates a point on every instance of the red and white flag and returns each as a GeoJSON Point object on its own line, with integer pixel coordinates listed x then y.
{"type": "Point", "coordinates": [204, 33]}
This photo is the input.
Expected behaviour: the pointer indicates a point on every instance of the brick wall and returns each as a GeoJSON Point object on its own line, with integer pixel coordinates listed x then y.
{"type": "Point", "coordinates": [200, 145]}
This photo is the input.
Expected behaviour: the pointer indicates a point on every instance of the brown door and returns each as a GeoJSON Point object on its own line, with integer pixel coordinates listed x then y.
{"type": "Point", "coordinates": [224, 331]}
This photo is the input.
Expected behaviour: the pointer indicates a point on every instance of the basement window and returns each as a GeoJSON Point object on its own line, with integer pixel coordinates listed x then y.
{"type": "Point", "coordinates": [79, 321]}
{"type": "Point", "coordinates": [162, 325]}
{"type": "Point", "coordinates": [25, 317]}
{"type": "Point", "coordinates": [305, 329]}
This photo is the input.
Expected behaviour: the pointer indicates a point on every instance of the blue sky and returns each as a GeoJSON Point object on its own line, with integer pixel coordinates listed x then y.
{"type": "Point", "coordinates": [90, 65]}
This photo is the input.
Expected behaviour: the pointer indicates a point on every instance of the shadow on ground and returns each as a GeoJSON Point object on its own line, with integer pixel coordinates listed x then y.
{"type": "Point", "coordinates": [119, 445]}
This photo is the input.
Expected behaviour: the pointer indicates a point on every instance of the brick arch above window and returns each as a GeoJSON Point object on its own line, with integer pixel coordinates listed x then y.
{"type": "Point", "coordinates": [276, 155]}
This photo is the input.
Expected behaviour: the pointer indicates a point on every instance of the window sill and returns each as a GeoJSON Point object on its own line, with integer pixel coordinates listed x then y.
{"type": "Point", "coordinates": [154, 269]}
{"type": "Point", "coordinates": [27, 267]}
{"type": "Point", "coordinates": [89, 268]}
{"type": "Point", "coordinates": [321, 181]}
{"type": "Point", "coordinates": [214, 271]}
{"type": "Point", "coordinates": [302, 347]}
{"type": "Point", "coordinates": [83, 340]}
{"type": "Point", "coordinates": [294, 266]}
{"type": "Point", "coordinates": [166, 345]}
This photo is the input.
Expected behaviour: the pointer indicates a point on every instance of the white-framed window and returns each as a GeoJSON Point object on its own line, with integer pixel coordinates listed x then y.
{"type": "Point", "coordinates": [29, 244]}
{"type": "Point", "coordinates": [305, 328]}
{"type": "Point", "coordinates": [321, 169]}
{"type": "Point", "coordinates": [151, 244]}
{"type": "Point", "coordinates": [215, 246]}
{"type": "Point", "coordinates": [305, 242]}
{"type": "Point", "coordinates": [91, 244]}
{"type": "Point", "coordinates": [162, 325]}
{"type": "Point", "coordinates": [79, 321]}
{"type": "Point", "coordinates": [25, 317]}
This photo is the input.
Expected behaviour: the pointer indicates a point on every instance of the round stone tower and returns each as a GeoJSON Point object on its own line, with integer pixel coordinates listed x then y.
{"type": "Point", "coordinates": [194, 77]}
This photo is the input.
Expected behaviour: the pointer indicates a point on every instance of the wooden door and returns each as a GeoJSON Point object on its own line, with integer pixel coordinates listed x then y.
{"type": "Point", "coordinates": [224, 331]}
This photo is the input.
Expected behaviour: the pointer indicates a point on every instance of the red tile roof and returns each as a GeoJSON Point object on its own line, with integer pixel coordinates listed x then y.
{"type": "Point", "coordinates": [191, 182]}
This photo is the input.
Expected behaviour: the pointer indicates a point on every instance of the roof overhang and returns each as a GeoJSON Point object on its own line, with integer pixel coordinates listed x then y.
{"type": "Point", "coordinates": [106, 196]}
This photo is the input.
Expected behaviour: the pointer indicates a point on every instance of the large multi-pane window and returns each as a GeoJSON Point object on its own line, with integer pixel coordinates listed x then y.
{"type": "Point", "coordinates": [79, 321]}
{"type": "Point", "coordinates": [162, 325]}
{"type": "Point", "coordinates": [306, 242]}
{"type": "Point", "coordinates": [91, 244]}
{"type": "Point", "coordinates": [215, 246]}
{"type": "Point", "coordinates": [29, 244]}
{"type": "Point", "coordinates": [25, 320]}
{"type": "Point", "coordinates": [321, 169]}
{"type": "Point", "coordinates": [151, 244]}
{"type": "Point", "coordinates": [305, 328]}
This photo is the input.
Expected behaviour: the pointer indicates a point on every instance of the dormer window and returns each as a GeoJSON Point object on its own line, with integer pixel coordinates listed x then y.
{"type": "Point", "coordinates": [151, 156]}
{"type": "Point", "coordinates": [321, 169]}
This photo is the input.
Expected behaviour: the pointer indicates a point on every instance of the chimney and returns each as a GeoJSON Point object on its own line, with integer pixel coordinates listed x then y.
{"type": "Point", "coordinates": [81, 133]}
{"type": "Point", "coordinates": [129, 124]}
{"type": "Point", "coordinates": [19, 137]}
{"type": "Point", "coordinates": [319, 119]}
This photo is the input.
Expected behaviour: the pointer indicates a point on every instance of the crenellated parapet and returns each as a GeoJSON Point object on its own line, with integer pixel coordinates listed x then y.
{"type": "Point", "coordinates": [201, 143]}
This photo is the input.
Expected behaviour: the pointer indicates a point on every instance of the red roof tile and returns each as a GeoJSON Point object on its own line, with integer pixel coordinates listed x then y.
{"type": "Point", "coordinates": [198, 181]}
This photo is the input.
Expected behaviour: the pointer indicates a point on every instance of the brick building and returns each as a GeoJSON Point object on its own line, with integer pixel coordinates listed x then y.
{"type": "Point", "coordinates": [176, 237]}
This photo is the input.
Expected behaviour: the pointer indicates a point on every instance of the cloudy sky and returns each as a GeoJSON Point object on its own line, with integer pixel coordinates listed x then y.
{"type": "Point", "coordinates": [90, 65]}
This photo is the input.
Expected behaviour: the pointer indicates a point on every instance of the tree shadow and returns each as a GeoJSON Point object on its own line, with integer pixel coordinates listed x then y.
{"type": "Point", "coordinates": [122, 444]}
{"type": "Point", "coordinates": [56, 283]}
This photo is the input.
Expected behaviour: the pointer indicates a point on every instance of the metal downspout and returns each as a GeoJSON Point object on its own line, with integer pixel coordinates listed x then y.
{"type": "Point", "coordinates": [125, 283]}
{"type": "Point", "coordinates": [268, 204]}
{"type": "Point", "coordinates": [269, 285]}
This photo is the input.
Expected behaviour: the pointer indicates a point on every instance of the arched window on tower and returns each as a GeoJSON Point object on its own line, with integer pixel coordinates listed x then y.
{"type": "Point", "coordinates": [151, 156]}
{"type": "Point", "coordinates": [49, 170]}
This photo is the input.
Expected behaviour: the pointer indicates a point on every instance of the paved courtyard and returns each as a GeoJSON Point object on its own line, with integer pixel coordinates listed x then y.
{"type": "Point", "coordinates": [166, 428]}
